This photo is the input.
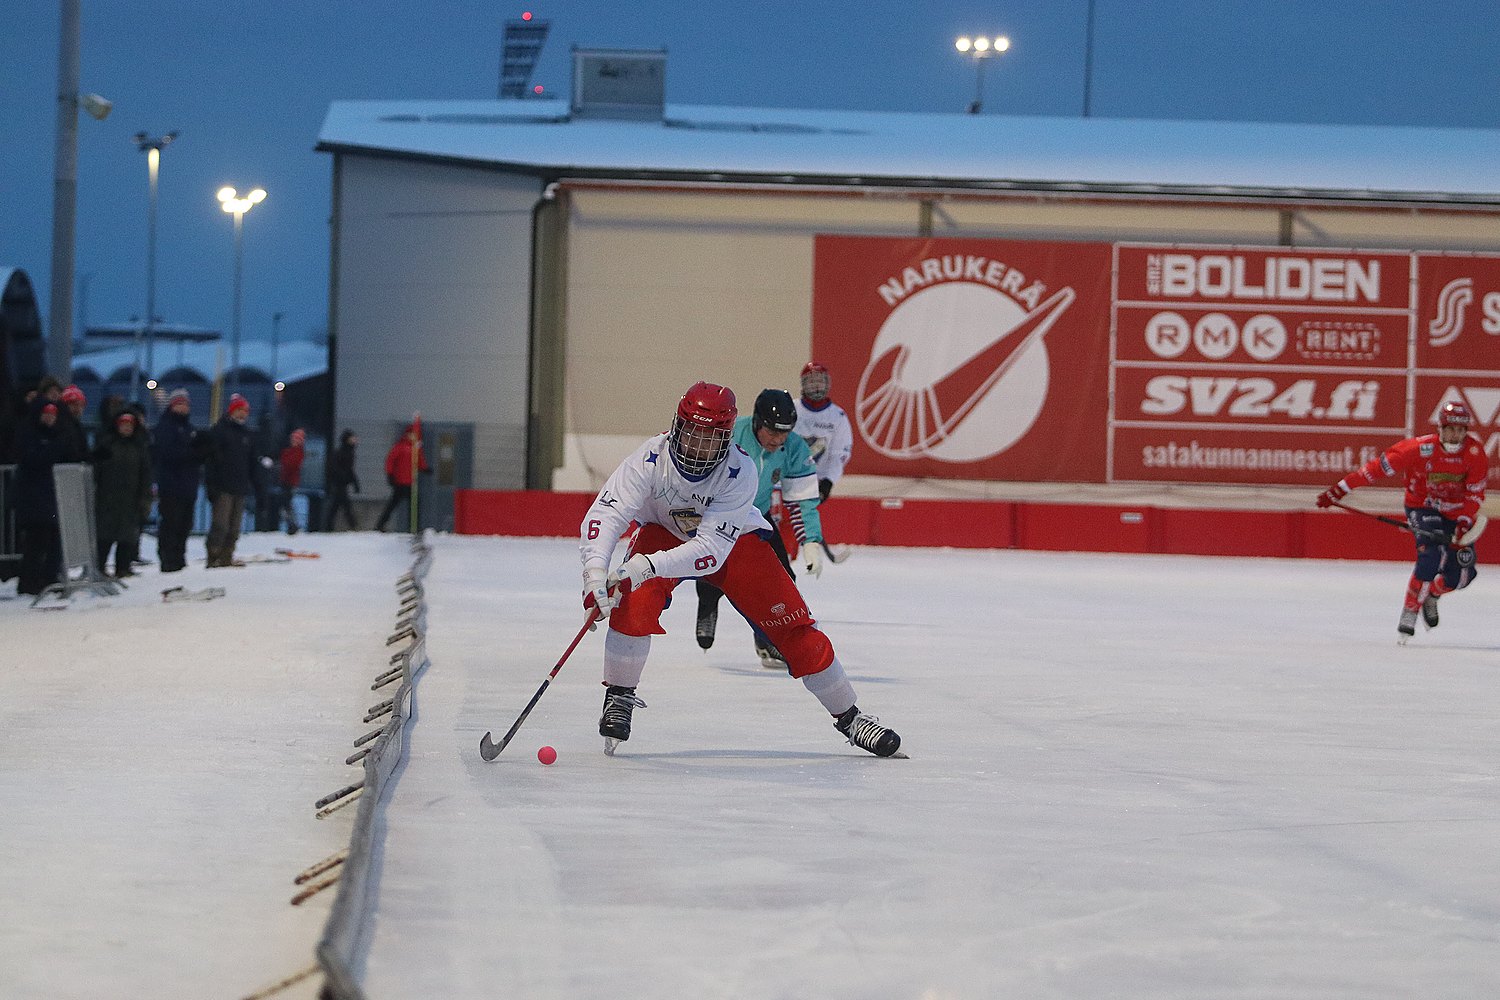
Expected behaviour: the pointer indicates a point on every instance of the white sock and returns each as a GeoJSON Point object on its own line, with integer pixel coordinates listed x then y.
{"type": "Point", "coordinates": [831, 687]}
{"type": "Point", "coordinates": [625, 658]}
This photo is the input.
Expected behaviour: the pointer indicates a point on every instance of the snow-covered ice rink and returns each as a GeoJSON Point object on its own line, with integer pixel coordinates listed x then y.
{"type": "Point", "coordinates": [1130, 776]}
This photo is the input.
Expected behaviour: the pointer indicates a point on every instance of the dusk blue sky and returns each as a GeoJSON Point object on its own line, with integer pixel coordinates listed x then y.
{"type": "Point", "coordinates": [247, 86]}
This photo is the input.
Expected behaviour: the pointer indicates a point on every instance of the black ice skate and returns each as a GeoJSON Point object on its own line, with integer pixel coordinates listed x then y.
{"type": "Point", "coordinates": [708, 620]}
{"type": "Point", "coordinates": [770, 656]}
{"type": "Point", "coordinates": [1430, 611]}
{"type": "Point", "coordinates": [866, 732]}
{"type": "Point", "coordinates": [614, 724]}
{"type": "Point", "coordinates": [1407, 626]}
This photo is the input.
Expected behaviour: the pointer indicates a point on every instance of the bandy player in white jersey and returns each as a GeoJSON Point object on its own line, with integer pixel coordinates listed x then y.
{"type": "Point", "coordinates": [824, 425]}
{"type": "Point", "coordinates": [693, 495]}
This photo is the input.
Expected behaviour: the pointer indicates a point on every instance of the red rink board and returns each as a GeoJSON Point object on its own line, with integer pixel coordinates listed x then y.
{"type": "Point", "coordinates": [978, 524]}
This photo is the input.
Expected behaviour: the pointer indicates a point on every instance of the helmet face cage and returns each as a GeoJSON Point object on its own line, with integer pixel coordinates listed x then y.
{"type": "Point", "coordinates": [816, 382]}
{"type": "Point", "coordinates": [697, 448]}
{"type": "Point", "coordinates": [702, 429]}
{"type": "Point", "coordinates": [1455, 415]}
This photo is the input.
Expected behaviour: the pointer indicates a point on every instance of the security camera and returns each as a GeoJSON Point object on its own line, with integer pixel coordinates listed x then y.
{"type": "Point", "coordinates": [97, 107]}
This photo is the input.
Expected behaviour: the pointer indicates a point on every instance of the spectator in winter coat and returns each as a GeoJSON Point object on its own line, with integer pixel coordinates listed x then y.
{"type": "Point", "coordinates": [341, 476]}
{"type": "Point", "coordinates": [179, 451]}
{"type": "Point", "coordinates": [289, 477]}
{"type": "Point", "coordinates": [122, 495]}
{"type": "Point", "coordinates": [38, 449]}
{"type": "Point", "coordinates": [398, 472]}
{"type": "Point", "coordinates": [231, 478]}
{"type": "Point", "coordinates": [70, 430]}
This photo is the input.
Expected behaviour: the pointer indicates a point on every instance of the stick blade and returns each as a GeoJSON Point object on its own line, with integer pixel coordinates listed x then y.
{"type": "Point", "coordinates": [489, 749]}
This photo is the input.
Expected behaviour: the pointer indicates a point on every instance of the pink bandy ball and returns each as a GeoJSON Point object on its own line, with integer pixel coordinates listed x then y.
{"type": "Point", "coordinates": [546, 755]}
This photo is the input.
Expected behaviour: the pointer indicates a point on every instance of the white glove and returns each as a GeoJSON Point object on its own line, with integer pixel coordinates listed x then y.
{"type": "Point", "coordinates": [632, 573]}
{"type": "Point", "coordinates": [596, 593]}
{"type": "Point", "coordinates": [812, 557]}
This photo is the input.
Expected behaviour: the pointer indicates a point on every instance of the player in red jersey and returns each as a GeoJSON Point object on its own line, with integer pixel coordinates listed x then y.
{"type": "Point", "coordinates": [1444, 475]}
{"type": "Point", "coordinates": [692, 492]}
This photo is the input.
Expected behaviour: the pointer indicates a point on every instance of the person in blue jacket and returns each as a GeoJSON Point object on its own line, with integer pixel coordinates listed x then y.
{"type": "Point", "coordinates": [178, 450]}
{"type": "Point", "coordinates": [786, 464]}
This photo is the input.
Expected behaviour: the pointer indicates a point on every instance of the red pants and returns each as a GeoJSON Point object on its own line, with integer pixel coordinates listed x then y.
{"type": "Point", "coordinates": [756, 584]}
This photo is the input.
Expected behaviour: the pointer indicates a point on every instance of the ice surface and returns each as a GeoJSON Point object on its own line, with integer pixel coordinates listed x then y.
{"type": "Point", "coordinates": [1130, 776]}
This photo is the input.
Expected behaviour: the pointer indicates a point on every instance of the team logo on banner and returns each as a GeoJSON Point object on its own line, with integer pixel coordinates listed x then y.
{"type": "Point", "coordinates": [1445, 327]}
{"type": "Point", "coordinates": [958, 372]}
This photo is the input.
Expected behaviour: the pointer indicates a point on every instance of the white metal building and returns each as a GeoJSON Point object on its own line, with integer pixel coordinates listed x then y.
{"type": "Point", "coordinates": [553, 274]}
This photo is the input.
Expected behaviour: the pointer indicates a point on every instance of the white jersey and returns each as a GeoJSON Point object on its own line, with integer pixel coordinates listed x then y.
{"type": "Point", "coordinates": [828, 437]}
{"type": "Point", "coordinates": [709, 516]}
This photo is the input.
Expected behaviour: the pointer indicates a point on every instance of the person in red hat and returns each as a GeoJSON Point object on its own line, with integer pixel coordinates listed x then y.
{"type": "Point", "coordinates": [122, 491]}
{"type": "Point", "coordinates": [73, 439]}
{"type": "Point", "coordinates": [180, 451]}
{"type": "Point", "coordinates": [230, 479]}
{"type": "Point", "coordinates": [289, 476]}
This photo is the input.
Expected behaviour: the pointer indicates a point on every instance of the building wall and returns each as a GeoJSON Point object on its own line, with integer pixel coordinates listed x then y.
{"type": "Point", "coordinates": [662, 286]}
{"type": "Point", "coordinates": [431, 308]}
{"type": "Point", "coordinates": [665, 287]}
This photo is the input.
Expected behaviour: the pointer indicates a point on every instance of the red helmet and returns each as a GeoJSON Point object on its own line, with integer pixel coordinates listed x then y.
{"type": "Point", "coordinates": [702, 429]}
{"type": "Point", "coordinates": [816, 382]}
{"type": "Point", "coordinates": [1455, 415]}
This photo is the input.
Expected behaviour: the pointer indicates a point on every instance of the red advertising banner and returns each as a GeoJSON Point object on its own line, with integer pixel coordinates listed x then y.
{"type": "Point", "coordinates": [967, 359]}
{"type": "Point", "coordinates": [1093, 362]}
{"type": "Point", "coordinates": [1257, 366]}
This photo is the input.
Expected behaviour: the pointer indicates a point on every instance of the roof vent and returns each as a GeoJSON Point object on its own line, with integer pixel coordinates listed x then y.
{"type": "Point", "coordinates": [621, 84]}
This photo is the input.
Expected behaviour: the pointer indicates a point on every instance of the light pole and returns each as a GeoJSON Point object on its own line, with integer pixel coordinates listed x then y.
{"type": "Point", "coordinates": [1088, 62]}
{"type": "Point", "coordinates": [980, 49]}
{"type": "Point", "coordinates": [152, 147]}
{"type": "Point", "coordinates": [232, 203]}
{"type": "Point", "coordinates": [275, 341]}
{"type": "Point", "coordinates": [65, 187]}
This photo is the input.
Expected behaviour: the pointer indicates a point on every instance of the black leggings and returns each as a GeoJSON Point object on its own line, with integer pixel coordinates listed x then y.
{"type": "Point", "coordinates": [398, 494]}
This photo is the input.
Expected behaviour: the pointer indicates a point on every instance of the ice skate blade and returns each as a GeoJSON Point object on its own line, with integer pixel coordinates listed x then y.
{"type": "Point", "coordinates": [609, 746]}
{"type": "Point", "coordinates": [1402, 639]}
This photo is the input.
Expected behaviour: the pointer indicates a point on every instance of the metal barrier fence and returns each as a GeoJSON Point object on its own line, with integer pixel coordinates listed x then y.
{"type": "Point", "coordinates": [346, 936]}
{"type": "Point", "coordinates": [80, 537]}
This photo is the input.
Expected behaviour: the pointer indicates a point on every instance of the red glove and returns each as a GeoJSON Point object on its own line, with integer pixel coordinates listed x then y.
{"type": "Point", "coordinates": [1333, 494]}
{"type": "Point", "coordinates": [1461, 527]}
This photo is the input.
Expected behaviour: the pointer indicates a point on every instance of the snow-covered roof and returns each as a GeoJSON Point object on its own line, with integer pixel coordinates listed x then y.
{"type": "Point", "coordinates": [1205, 158]}
{"type": "Point", "coordinates": [295, 360]}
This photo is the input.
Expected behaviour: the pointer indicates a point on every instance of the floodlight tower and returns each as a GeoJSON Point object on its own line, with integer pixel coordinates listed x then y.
{"type": "Point", "coordinates": [519, 49]}
{"type": "Point", "coordinates": [980, 49]}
